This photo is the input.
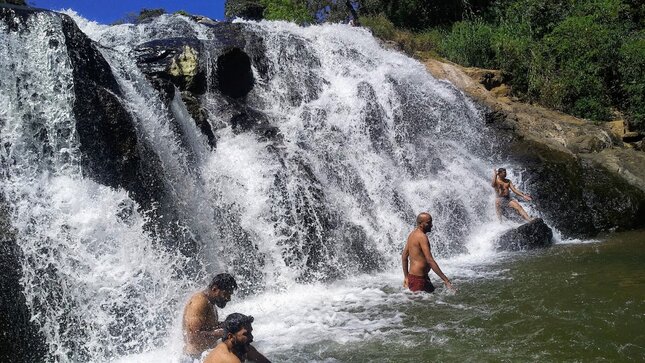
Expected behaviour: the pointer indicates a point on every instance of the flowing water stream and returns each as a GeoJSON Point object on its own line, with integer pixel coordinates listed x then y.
{"type": "Point", "coordinates": [312, 222]}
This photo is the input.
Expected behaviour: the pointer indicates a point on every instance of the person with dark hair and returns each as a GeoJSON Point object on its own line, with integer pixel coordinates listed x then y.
{"type": "Point", "coordinates": [417, 251]}
{"type": "Point", "coordinates": [503, 187]}
{"type": "Point", "coordinates": [200, 324]}
{"type": "Point", "coordinates": [236, 342]}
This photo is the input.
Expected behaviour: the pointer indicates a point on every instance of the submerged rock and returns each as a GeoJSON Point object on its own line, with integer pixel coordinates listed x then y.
{"type": "Point", "coordinates": [531, 235]}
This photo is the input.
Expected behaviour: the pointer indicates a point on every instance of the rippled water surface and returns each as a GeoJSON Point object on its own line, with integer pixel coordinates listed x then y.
{"type": "Point", "coordinates": [573, 302]}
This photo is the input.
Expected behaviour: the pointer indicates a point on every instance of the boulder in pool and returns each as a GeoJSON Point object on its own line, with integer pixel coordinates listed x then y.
{"type": "Point", "coordinates": [531, 235]}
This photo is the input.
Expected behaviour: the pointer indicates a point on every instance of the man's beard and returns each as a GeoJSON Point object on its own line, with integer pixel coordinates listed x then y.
{"type": "Point", "coordinates": [221, 303]}
{"type": "Point", "coordinates": [243, 347]}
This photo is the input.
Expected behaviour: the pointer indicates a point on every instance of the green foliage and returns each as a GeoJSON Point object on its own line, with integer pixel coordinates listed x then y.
{"type": "Point", "coordinates": [410, 42]}
{"type": "Point", "coordinates": [577, 67]}
{"type": "Point", "coordinates": [470, 43]}
{"type": "Point", "coordinates": [428, 40]}
{"type": "Point", "coordinates": [289, 10]}
{"type": "Point", "coordinates": [561, 53]}
{"type": "Point", "coordinates": [632, 73]}
{"type": "Point", "coordinates": [418, 15]}
{"type": "Point", "coordinates": [537, 17]}
{"type": "Point", "coordinates": [181, 12]}
{"type": "Point", "coordinates": [514, 53]}
{"type": "Point", "coordinates": [380, 26]}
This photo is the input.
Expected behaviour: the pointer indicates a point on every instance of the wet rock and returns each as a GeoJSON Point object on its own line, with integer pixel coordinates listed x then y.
{"type": "Point", "coordinates": [588, 144]}
{"type": "Point", "coordinates": [532, 235]}
{"type": "Point", "coordinates": [178, 60]}
{"type": "Point", "coordinates": [234, 77]}
{"type": "Point", "coordinates": [20, 339]}
{"type": "Point", "coordinates": [576, 195]}
{"type": "Point", "coordinates": [112, 154]}
{"type": "Point", "coordinates": [200, 115]}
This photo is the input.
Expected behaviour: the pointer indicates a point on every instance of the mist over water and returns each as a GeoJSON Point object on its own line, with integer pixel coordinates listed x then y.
{"type": "Point", "coordinates": [310, 220]}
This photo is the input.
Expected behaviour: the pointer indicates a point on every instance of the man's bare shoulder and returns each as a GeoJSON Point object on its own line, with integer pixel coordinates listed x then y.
{"type": "Point", "coordinates": [221, 354]}
{"type": "Point", "coordinates": [416, 237]}
{"type": "Point", "coordinates": [198, 302]}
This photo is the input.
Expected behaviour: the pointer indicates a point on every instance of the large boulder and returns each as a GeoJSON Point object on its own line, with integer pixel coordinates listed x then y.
{"type": "Point", "coordinates": [532, 235]}
{"type": "Point", "coordinates": [177, 60]}
{"type": "Point", "coordinates": [578, 195]}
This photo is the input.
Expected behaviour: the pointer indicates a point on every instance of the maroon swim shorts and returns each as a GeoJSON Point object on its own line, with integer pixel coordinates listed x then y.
{"type": "Point", "coordinates": [420, 283]}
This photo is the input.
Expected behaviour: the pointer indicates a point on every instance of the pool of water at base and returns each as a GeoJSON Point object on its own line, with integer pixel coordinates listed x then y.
{"type": "Point", "coordinates": [581, 302]}
{"type": "Point", "coordinates": [574, 302]}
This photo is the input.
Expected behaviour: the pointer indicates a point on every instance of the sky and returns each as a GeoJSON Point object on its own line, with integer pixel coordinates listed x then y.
{"type": "Point", "coordinates": [107, 12]}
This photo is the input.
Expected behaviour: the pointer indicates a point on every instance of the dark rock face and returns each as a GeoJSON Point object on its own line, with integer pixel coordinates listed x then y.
{"type": "Point", "coordinates": [20, 339]}
{"type": "Point", "coordinates": [177, 60]}
{"type": "Point", "coordinates": [184, 63]}
{"type": "Point", "coordinates": [234, 75]}
{"type": "Point", "coordinates": [575, 195]}
{"type": "Point", "coordinates": [535, 234]}
{"type": "Point", "coordinates": [111, 152]}
{"type": "Point", "coordinates": [106, 131]}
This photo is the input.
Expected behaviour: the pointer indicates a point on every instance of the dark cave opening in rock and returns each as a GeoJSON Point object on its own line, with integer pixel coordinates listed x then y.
{"type": "Point", "coordinates": [234, 75]}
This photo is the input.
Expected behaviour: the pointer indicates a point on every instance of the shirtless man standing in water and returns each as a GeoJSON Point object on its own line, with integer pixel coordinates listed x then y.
{"type": "Point", "coordinates": [417, 250]}
{"type": "Point", "coordinates": [200, 325]}
{"type": "Point", "coordinates": [503, 187]}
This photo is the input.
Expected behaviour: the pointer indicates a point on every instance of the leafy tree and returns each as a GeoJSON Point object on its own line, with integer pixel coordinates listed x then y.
{"type": "Point", "coordinates": [577, 63]}
{"type": "Point", "coordinates": [289, 10]}
{"type": "Point", "coordinates": [632, 73]}
{"type": "Point", "coordinates": [470, 43]}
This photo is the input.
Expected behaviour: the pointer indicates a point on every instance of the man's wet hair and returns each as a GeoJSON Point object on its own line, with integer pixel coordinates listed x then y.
{"type": "Point", "coordinates": [500, 170]}
{"type": "Point", "coordinates": [234, 323]}
{"type": "Point", "coordinates": [223, 281]}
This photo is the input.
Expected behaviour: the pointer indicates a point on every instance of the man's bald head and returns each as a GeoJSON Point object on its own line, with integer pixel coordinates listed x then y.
{"type": "Point", "coordinates": [423, 217]}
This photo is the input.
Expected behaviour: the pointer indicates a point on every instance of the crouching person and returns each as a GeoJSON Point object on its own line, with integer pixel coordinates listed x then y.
{"type": "Point", "coordinates": [236, 342]}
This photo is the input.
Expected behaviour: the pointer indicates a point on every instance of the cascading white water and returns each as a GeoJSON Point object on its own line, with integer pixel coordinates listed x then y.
{"type": "Point", "coordinates": [367, 139]}
{"type": "Point", "coordinates": [92, 277]}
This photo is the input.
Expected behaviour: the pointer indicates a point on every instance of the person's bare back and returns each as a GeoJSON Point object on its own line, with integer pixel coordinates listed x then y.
{"type": "Point", "coordinates": [417, 254]}
{"type": "Point", "coordinates": [200, 316]}
{"type": "Point", "coordinates": [417, 240]}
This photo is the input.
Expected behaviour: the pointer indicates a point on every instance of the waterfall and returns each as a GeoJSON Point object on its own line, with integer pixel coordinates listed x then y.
{"type": "Point", "coordinates": [341, 143]}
